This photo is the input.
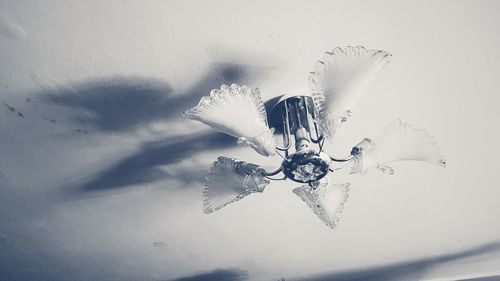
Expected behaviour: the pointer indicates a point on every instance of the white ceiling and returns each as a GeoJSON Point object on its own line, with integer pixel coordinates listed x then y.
{"type": "Point", "coordinates": [100, 176]}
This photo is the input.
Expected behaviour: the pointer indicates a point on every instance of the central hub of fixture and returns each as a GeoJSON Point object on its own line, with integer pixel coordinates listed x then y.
{"type": "Point", "coordinates": [306, 166]}
{"type": "Point", "coordinates": [293, 116]}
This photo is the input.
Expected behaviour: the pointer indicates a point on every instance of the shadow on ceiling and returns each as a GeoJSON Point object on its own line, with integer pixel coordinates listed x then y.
{"type": "Point", "coordinates": [409, 270]}
{"type": "Point", "coordinates": [124, 104]}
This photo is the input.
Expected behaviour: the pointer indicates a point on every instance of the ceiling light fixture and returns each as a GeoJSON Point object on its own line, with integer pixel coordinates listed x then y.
{"type": "Point", "coordinates": [306, 122]}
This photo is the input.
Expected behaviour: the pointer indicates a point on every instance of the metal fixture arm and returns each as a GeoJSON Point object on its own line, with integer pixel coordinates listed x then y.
{"type": "Point", "coordinates": [286, 131]}
{"type": "Point", "coordinates": [342, 160]}
{"type": "Point", "coordinates": [318, 140]}
{"type": "Point", "coordinates": [272, 173]}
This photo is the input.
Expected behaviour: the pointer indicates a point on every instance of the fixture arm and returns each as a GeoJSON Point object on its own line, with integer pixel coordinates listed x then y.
{"type": "Point", "coordinates": [286, 132]}
{"type": "Point", "coordinates": [273, 179]}
{"type": "Point", "coordinates": [318, 140]}
{"type": "Point", "coordinates": [342, 160]}
{"type": "Point", "coordinates": [272, 173]}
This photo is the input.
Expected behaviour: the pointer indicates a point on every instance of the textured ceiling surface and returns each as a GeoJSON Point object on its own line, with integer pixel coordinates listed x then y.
{"type": "Point", "coordinates": [100, 176]}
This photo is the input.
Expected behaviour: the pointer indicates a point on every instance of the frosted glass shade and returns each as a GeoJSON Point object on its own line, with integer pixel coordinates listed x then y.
{"type": "Point", "coordinates": [239, 112]}
{"type": "Point", "coordinates": [339, 81]}
{"type": "Point", "coordinates": [397, 142]}
{"type": "Point", "coordinates": [229, 180]}
{"type": "Point", "coordinates": [326, 200]}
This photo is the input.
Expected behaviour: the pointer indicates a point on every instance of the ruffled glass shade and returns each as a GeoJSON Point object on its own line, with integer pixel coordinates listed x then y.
{"type": "Point", "coordinates": [229, 180]}
{"type": "Point", "coordinates": [239, 112]}
{"type": "Point", "coordinates": [397, 142]}
{"type": "Point", "coordinates": [339, 81]}
{"type": "Point", "coordinates": [325, 199]}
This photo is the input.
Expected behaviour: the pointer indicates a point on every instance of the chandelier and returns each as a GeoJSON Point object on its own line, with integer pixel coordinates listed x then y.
{"type": "Point", "coordinates": [306, 122]}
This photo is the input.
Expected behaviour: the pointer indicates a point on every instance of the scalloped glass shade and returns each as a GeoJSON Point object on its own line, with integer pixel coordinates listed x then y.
{"type": "Point", "coordinates": [397, 142]}
{"type": "Point", "coordinates": [239, 112]}
{"type": "Point", "coordinates": [229, 180]}
{"type": "Point", "coordinates": [326, 200]}
{"type": "Point", "coordinates": [340, 79]}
